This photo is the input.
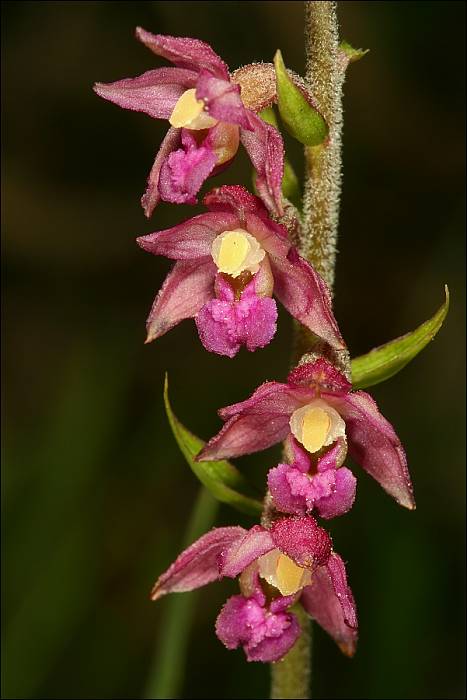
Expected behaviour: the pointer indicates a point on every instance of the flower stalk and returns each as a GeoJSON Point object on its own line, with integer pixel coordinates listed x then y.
{"type": "Point", "coordinates": [285, 681]}
{"type": "Point", "coordinates": [317, 239]}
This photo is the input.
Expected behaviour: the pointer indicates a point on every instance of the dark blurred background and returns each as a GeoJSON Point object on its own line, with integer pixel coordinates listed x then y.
{"type": "Point", "coordinates": [96, 493]}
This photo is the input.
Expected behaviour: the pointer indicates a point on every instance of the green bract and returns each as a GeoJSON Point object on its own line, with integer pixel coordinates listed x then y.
{"type": "Point", "coordinates": [301, 119]}
{"type": "Point", "coordinates": [221, 478]}
{"type": "Point", "coordinates": [385, 361]}
{"type": "Point", "coordinates": [351, 53]}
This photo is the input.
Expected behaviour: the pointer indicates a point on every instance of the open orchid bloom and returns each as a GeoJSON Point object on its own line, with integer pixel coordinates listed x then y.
{"type": "Point", "coordinates": [229, 263]}
{"type": "Point", "coordinates": [207, 118]}
{"type": "Point", "coordinates": [317, 407]}
{"type": "Point", "coordinates": [278, 567]}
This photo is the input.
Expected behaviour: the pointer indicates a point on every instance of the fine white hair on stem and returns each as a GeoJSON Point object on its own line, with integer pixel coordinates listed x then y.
{"type": "Point", "coordinates": [324, 76]}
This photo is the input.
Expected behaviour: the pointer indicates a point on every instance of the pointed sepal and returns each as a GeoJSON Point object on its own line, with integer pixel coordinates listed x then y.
{"type": "Point", "coordinates": [290, 183]}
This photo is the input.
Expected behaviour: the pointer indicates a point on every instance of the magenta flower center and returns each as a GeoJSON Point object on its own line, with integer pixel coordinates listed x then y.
{"type": "Point", "coordinates": [237, 251]}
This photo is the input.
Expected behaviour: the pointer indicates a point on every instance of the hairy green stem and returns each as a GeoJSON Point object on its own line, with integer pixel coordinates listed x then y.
{"type": "Point", "coordinates": [317, 243]}
{"type": "Point", "coordinates": [324, 76]}
{"type": "Point", "coordinates": [291, 675]}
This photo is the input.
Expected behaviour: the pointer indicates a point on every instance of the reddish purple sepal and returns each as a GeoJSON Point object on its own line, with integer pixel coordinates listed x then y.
{"type": "Point", "coordinates": [190, 240]}
{"type": "Point", "coordinates": [185, 291]}
{"type": "Point", "coordinates": [265, 147]}
{"type": "Point", "coordinates": [330, 602]}
{"type": "Point", "coordinates": [374, 445]}
{"type": "Point", "coordinates": [155, 92]}
{"type": "Point", "coordinates": [197, 565]}
{"type": "Point", "coordinates": [184, 52]}
{"type": "Point", "coordinates": [306, 297]}
{"type": "Point", "coordinates": [151, 196]}
{"type": "Point", "coordinates": [254, 543]}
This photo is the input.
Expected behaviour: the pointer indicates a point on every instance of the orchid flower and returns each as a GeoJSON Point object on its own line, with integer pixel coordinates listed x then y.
{"type": "Point", "coordinates": [207, 122]}
{"type": "Point", "coordinates": [229, 262]}
{"type": "Point", "coordinates": [291, 562]}
{"type": "Point", "coordinates": [317, 407]}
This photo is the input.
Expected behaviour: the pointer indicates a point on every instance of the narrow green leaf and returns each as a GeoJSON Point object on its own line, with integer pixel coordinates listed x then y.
{"type": "Point", "coordinates": [221, 478]}
{"type": "Point", "coordinates": [385, 361]}
{"type": "Point", "coordinates": [351, 53]}
{"type": "Point", "coordinates": [301, 119]}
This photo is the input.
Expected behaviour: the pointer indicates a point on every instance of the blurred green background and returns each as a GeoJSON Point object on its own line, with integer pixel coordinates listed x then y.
{"type": "Point", "coordinates": [96, 496]}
